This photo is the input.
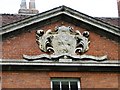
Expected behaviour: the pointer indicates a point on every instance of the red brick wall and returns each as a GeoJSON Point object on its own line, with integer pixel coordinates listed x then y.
{"type": "Point", "coordinates": [25, 80]}
{"type": "Point", "coordinates": [42, 79]}
{"type": "Point", "coordinates": [25, 43]}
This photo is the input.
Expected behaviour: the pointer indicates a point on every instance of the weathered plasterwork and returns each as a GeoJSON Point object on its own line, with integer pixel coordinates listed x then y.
{"type": "Point", "coordinates": [63, 44]}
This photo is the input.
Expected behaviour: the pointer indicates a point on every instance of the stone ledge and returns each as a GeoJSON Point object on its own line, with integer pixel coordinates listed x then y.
{"type": "Point", "coordinates": [107, 66]}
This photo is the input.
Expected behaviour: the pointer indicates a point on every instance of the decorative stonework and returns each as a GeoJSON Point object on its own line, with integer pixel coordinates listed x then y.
{"type": "Point", "coordinates": [63, 43]}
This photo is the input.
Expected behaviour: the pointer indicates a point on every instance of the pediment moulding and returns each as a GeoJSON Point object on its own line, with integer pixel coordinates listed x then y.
{"type": "Point", "coordinates": [64, 44]}
{"type": "Point", "coordinates": [66, 14]}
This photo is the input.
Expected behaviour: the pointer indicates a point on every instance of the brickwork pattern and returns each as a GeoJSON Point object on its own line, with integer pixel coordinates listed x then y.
{"type": "Point", "coordinates": [42, 79]}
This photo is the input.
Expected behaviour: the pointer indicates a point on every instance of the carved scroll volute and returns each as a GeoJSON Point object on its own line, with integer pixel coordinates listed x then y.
{"type": "Point", "coordinates": [82, 42]}
{"type": "Point", "coordinates": [39, 34]}
{"type": "Point", "coordinates": [44, 40]}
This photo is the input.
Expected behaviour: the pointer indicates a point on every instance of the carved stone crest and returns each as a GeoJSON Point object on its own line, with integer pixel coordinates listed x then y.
{"type": "Point", "coordinates": [63, 42]}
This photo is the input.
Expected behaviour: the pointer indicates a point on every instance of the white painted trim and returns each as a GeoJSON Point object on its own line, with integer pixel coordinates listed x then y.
{"type": "Point", "coordinates": [51, 85]}
{"type": "Point", "coordinates": [63, 64]}
{"type": "Point", "coordinates": [79, 85]}
{"type": "Point", "coordinates": [65, 79]}
{"type": "Point", "coordinates": [94, 24]}
{"type": "Point", "coordinates": [69, 85]}
{"type": "Point", "coordinates": [16, 26]}
{"type": "Point", "coordinates": [60, 85]}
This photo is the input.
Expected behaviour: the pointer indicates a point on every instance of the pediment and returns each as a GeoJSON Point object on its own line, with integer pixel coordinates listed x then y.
{"type": "Point", "coordinates": [25, 43]}
{"type": "Point", "coordinates": [18, 49]}
{"type": "Point", "coordinates": [60, 15]}
{"type": "Point", "coordinates": [66, 14]}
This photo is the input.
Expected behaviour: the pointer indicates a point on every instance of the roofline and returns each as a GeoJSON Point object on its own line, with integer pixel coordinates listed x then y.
{"type": "Point", "coordinates": [60, 11]}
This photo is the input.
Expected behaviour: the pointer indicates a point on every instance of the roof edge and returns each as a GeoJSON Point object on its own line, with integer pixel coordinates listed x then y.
{"type": "Point", "coordinates": [58, 11]}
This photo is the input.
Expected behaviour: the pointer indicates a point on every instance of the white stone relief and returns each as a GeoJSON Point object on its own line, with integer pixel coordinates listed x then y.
{"type": "Point", "coordinates": [63, 43]}
{"type": "Point", "coordinates": [63, 40]}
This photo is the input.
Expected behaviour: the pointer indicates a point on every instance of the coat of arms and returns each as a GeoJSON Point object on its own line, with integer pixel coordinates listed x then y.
{"type": "Point", "coordinates": [63, 43]}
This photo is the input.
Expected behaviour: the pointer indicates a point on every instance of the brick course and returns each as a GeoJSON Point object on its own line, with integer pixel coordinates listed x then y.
{"type": "Point", "coordinates": [37, 79]}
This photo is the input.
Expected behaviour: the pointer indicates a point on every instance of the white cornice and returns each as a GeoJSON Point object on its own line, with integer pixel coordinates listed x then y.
{"type": "Point", "coordinates": [113, 63]}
